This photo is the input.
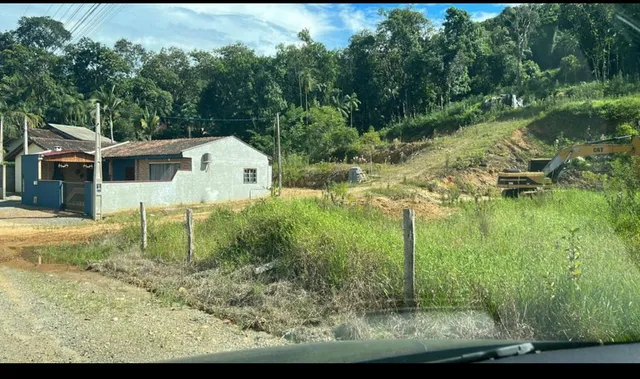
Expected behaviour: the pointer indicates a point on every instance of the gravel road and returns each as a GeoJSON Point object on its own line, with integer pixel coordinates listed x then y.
{"type": "Point", "coordinates": [77, 316]}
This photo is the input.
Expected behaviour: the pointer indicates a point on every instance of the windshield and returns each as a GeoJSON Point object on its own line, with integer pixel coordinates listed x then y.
{"type": "Point", "coordinates": [187, 179]}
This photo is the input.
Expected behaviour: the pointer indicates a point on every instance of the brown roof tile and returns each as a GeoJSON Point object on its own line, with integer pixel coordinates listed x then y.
{"type": "Point", "coordinates": [156, 147]}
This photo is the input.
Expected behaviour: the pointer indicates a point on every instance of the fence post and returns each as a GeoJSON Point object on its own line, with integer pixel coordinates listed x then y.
{"type": "Point", "coordinates": [190, 235]}
{"type": "Point", "coordinates": [143, 225]}
{"type": "Point", "coordinates": [409, 229]}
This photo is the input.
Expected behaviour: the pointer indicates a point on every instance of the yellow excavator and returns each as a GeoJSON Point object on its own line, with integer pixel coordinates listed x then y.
{"type": "Point", "coordinates": [543, 173]}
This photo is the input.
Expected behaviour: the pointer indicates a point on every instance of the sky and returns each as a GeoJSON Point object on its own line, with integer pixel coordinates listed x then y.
{"type": "Point", "coordinates": [208, 26]}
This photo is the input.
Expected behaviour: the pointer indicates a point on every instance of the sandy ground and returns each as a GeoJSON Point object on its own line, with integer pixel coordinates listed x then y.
{"type": "Point", "coordinates": [62, 315]}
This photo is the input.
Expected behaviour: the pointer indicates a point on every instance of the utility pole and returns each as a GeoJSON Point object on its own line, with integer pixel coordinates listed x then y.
{"type": "Point", "coordinates": [97, 171]}
{"type": "Point", "coordinates": [3, 192]}
{"type": "Point", "coordinates": [25, 141]}
{"type": "Point", "coordinates": [279, 156]}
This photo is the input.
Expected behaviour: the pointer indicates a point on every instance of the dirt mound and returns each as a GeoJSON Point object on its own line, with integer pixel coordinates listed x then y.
{"type": "Point", "coordinates": [425, 209]}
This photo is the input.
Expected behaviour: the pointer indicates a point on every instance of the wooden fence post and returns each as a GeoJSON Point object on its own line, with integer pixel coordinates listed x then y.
{"type": "Point", "coordinates": [143, 225]}
{"type": "Point", "coordinates": [409, 229]}
{"type": "Point", "coordinates": [190, 235]}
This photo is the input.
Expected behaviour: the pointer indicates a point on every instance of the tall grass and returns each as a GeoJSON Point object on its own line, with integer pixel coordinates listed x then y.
{"type": "Point", "coordinates": [512, 258]}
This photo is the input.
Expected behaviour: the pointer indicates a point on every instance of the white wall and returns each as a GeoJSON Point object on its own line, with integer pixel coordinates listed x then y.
{"type": "Point", "coordinates": [18, 173]}
{"type": "Point", "coordinates": [222, 181]}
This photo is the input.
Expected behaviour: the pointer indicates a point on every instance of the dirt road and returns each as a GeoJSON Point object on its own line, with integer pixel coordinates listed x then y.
{"type": "Point", "coordinates": [65, 315]}
{"type": "Point", "coordinates": [55, 313]}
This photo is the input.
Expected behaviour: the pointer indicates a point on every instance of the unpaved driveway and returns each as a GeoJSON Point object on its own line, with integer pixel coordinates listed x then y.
{"type": "Point", "coordinates": [65, 315]}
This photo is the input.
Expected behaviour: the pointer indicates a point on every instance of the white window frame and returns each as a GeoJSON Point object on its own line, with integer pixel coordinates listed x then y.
{"type": "Point", "coordinates": [247, 176]}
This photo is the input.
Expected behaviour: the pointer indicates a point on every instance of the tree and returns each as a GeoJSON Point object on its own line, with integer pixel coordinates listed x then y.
{"type": "Point", "coordinates": [109, 105]}
{"type": "Point", "coordinates": [522, 21]}
{"type": "Point", "coordinates": [41, 32]}
{"type": "Point", "coordinates": [149, 125]}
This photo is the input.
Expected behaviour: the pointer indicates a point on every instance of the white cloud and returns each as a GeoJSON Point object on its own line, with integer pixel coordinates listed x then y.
{"type": "Point", "coordinates": [509, 5]}
{"type": "Point", "coordinates": [482, 16]}
{"type": "Point", "coordinates": [355, 20]}
{"type": "Point", "coordinates": [207, 26]}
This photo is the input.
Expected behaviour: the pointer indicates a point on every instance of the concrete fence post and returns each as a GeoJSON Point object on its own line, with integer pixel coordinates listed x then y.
{"type": "Point", "coordinates": [409, 229]}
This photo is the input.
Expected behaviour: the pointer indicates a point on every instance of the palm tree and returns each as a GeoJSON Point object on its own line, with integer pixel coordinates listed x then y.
{"type": "Point", "coordinates": [149, 124]}
{"type": "Point", "coordinates": [109, 105]}
{"type": "Point", "coordinates": [350, 104]}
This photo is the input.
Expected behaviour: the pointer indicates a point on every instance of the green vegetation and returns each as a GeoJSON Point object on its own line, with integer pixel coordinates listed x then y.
{"type": "Point", "coordinates": [334, 104]}
{"type": "Point", "coordinates": [512, 258]}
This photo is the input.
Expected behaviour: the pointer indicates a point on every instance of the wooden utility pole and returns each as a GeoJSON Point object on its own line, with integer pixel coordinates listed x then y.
{"type": "Point", "coordinates": [189, 235]}
{"type": "Point", "coordinates": [143, 226]}
{"type": "Point", "coordinates": [97, 170]}
{"type": "Point", "coordinates": [279, 155]}
{"type": "Point", "coordinates": [3, 191]}
{"type": "Point", "coordinates": [409, 257]}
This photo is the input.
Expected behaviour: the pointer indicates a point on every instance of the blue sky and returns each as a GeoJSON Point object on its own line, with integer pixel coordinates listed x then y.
{"type": "Point", "coordinates": [207, 26]}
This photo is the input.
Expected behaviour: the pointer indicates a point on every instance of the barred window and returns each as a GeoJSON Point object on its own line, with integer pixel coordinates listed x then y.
{"type": "Point", "coordinates": [250, 176]}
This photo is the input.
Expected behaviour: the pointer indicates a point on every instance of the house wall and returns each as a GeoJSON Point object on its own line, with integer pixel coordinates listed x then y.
{"type": "Point", "coordinates": [222, 180]}
{"type": "Point", "coordinates": [42, 193]}
{"type": "Point", "coordinates": [18, 173]}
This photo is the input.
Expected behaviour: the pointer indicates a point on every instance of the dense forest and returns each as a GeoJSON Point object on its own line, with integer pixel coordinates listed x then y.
{"type": "Point", "coordinates": [328, 100]}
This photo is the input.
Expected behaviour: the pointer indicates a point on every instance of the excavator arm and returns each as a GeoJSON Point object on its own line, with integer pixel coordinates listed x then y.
{"type": "Point", "coordinates": [516, 182]}
{"type": "Point", "coordinates": [591, 149]}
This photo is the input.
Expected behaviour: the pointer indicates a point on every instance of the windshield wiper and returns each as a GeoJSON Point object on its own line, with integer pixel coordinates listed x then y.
{"type": "Point", "coordinates": [483, 355]}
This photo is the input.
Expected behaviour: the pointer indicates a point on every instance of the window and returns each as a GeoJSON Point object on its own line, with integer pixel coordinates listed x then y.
{"type": "Point", "coordinates": [250, 176]}
{"type": "Point", "coordinates": [162, 171]}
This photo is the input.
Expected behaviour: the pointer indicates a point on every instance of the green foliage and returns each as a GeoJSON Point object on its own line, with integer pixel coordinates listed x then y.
{"type": "Point", "coordinates": [515, 259]}
{"type": "Point", "coordinates": [404, 78]}
{"type": "Point", "coordinates": [626, 130]}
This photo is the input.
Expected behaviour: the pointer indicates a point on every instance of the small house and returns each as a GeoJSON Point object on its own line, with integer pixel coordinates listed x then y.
{"type": "Point", "coordinates": [158, 173]}
{"type": "Point", "coordinates": [52, 137]}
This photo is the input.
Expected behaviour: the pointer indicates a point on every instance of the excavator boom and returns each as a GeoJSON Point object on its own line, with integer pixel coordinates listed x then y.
{"type": "Point", "coordinates": [516, 182]}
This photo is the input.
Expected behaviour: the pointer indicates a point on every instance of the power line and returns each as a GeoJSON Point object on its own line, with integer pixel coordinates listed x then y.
{"type": "Point", "coordinates": [26, 10]}
{"type": "Point", "coordinates": [60, 7]}
{"type": "Point", "coordinates": [107, 18]}
{"type": "Point", "coordinates": [48, 9]}
{"type": "Point", "coordinates": [65, 12]}
{"type": "Point", "coordinates": [67, 24]}
{"type": "Point", "coordinates": [218, 119]}
{"type": "Point", "coordinates": [90, 24]}
{"type": "Point", "coordinates": [84, 18]}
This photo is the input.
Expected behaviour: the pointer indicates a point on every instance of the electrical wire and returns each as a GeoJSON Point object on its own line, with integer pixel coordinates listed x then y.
{"type": "Point", "coordinates": [26, 10]}
{"type": "Point", "coordinates": [84, 18]}
{"type": "Point", "coordinates": [60, 7]}
{"type": "Point", "coordinates": [61, 48]}
{"type": "Point", "coordinates": [48, 9]}
{"type": "Point", "coordinates": [107, 18]}
{"type": "Point", "coordinates": [82, 32]}
{"type": "Point", "coordinates": [67, 24]}
{"type": "Point", "coordinates": [218, 119]}
{"type": "Point", "coordinates": [67, 11]}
